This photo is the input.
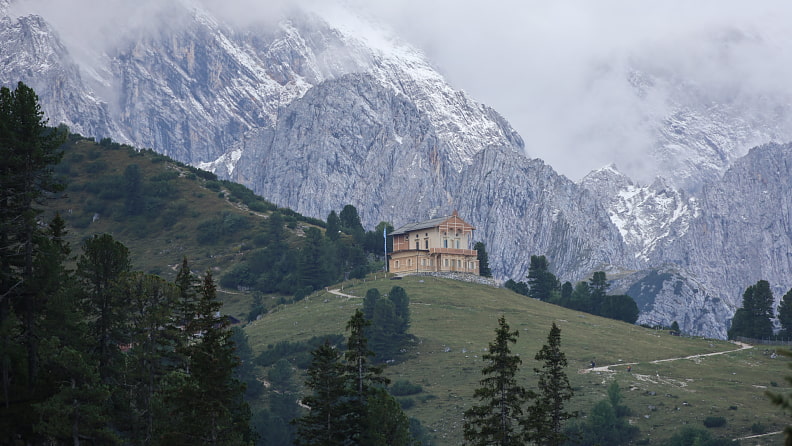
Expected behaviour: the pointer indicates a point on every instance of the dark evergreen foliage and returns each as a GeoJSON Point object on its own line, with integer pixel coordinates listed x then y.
{"type": "Point", "coordinates": [606, 423]}
{"type": "Point", "coordinates": [349, 402]}
{"type": "Point", "coordinates": [547, 414]}
{"type": "Point", "coordinates": [785, 313]}
{"type": "Point", "coordinates": [327, 420]}
{"type": "Point", "coordinates": [542, 284]}
{"type": "Point", "coordinates": [483, 259]}
{"type": "Point", "coordinates": [754, 319]}
{"type": "Point", "coordinates": [498, 419]}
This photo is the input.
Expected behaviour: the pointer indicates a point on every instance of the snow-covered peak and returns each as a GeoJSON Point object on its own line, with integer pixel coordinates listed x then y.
{"type": "Point", "coordinates": [647, 216]}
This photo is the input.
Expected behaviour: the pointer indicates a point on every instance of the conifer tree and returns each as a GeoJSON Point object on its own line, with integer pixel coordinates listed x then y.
{"type": "Point", "coordinates": [369, 302]}
{"type": "Point", "coordinates": [326, 423]}
{"type": "Point", "coordinates": [547, 414]}
{"type": "Point", "coordinates": [498, 420]}
{"type": "Point", "coordinates": [753, 320]}
{"type": "Point", "coordinates": [483, 259]}
{"type": "Point", "coordinates": [206, 405]}
{"type": "Point", "coordinates": [401, 308]}
{"type": "Point", "coordinates": [333, 226]}
{"type": "Point", "coordinates": [541, 282]}
{"type": "Point", "coordinates": [785, 313]}
{"type": "Point", "coordinates": [363, 376]}
{"type": "Point", "coordinates": [29, 151]}
{"type": "Point", "coordinates": [100, 266]}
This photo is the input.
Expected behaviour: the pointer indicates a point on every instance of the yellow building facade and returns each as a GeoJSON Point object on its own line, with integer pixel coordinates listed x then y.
{"type": "Point", "coordinates": [438, 245]}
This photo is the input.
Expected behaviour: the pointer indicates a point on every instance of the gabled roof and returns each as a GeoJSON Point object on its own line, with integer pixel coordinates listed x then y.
{"type": "Point", "coordinates": [409, 227]}
{"type": "Point", "coordinates": [427, 224]}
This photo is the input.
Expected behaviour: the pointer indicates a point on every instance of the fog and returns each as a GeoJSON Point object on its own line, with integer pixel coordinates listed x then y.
{"type": "Point", "coordinates": [559, 72]}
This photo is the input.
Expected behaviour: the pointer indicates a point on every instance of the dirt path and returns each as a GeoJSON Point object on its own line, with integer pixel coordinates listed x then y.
{"type": "Point", "coordinates": [338, 292]}
{"type": "Point", "coordinates": [606, 368]}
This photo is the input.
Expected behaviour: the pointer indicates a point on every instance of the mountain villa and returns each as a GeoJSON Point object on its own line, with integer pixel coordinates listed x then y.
{"type": "Point", "coordinates": [441, 244]}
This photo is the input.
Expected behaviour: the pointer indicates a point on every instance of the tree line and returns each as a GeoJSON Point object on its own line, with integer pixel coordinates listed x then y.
{"type": "Point", "coordinates": [754, 319]}
{"type": "Point", "coordinates": [589, 296]}
{"type": "Point", "coordinates": [99, 354]}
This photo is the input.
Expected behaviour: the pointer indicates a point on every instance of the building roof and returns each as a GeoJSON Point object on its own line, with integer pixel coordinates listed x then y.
{"type": "Point", "coordinates": [426, 224]}
{"type": "Point", "coordinates": [420, 225]}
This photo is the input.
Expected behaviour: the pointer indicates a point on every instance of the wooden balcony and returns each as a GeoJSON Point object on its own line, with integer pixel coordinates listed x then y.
{"type": "Point", "coordinates": [461, 252]}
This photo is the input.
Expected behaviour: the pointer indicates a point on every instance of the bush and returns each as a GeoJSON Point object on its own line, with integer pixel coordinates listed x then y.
{"type": "Point", "coordinates": [406, 403]}
{"type": "Point", "coordinates": [714, 422]}
{"type": "Point", "coordinates": [758, 428]}
{"type": "Point", "coordinates": [404, 388]}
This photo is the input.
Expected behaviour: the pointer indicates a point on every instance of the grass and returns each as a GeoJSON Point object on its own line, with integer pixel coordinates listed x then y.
{"type": "Point", "coordinates": [455, 321]}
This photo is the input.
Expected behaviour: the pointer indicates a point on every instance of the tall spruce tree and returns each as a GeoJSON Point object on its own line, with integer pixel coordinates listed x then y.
{"type": "Point", "coordinates": [753, 320]}
{"type": "Point", "coordinates": [547, 413]}
{"type": "Point", "coordinates": [362, 374]}
{"type": "Point", "coordinates": [541, 282]}
{"type": "Point", "coordinates": [327, 421]}
{"type": "Point", "coordinates": [785, 313]}
{"type": "Point", "coordinates": [29, 151]}
{"type": "Point", "coordinates": [498, 420]}
{"type": "Point", "coordinates": [101, 264]}
{"type": "Point", "coordinates": [206, 405]}
{"type": "Point", "coordinates": [483, 259]}
{"type": "Point", "coordinates": [598, 289]}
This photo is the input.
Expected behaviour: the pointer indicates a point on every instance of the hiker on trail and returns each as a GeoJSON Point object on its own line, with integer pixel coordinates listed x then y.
{"type": "Point", "coordinates": [629, 369]}
{"type": "Point", "coordinates": [593, 364]}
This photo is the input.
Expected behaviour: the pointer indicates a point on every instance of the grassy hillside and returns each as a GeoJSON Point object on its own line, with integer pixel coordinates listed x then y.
{"type": "Point", "coordinates": [182, 212]}
{"type": "Point", "coordinates": [455, 321]}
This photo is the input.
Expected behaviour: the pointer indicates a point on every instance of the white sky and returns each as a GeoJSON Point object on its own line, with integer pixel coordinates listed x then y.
{"type": "Point", "coordinates": [556, 70]}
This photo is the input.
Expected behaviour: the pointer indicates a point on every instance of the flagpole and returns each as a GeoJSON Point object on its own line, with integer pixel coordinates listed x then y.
{"type": "Point", "coordinates": [385, 240]}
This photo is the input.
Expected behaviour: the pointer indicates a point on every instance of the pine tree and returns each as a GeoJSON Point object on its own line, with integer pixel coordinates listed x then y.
{"type": "Point", "coordinates": [598, 289]}
{"type": "Point", "coordinates": [483, 259]}
{"type": "Point", "coordinates": [542, 283]}
{"type": "Point", "coordinates": [28, 150]}
{"type": "Point", "coordinates": [785, 313]}
{"type": "Point", "coordinates": [362, 375]}
{"type": "Point", "coordinates": [401, 308]}
{"type": "Point", "coordinates": [369, 302]}
{"type": "Point", "coordinates": [206, 405]}
{"type": "Point", "coordinates": [100, 266]}
{"type": "Point", "coordinates": [151, 341]}
{"type": "Point", "coordinates": [327, 421]}
{"type": "Point", "coordinates": [547, 414]}
{"type": "Point", "coordinates": [499, 419]}
{"type": "Point", "coordinates": [753, 320]}
{"type": "Point", "coordinates": [333, 226]}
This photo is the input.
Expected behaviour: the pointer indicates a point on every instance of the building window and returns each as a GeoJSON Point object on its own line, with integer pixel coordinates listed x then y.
{"type": "Point", "coordinates": [446, 262]}
{"type": "Point", "coordinates": [445, 243]}
{"type": "Point", "coordinates": [426, 244]}
{"type": "Point", "coordinates": [457, 244]}
{"type": "Point", "coordinates": [409, 262]}
{"type": "Point", "coordinates": [417, 243]}
{"type": "Point", "coordinates": [459, 264]}
{"type": "Point", "coordinates": [397, 264]}
{"type": "Point", "coordinates": [423, 262]}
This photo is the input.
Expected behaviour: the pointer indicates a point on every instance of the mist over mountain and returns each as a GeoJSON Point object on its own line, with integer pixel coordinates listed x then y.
{"type": "Point", "coordinates": [314, 107]}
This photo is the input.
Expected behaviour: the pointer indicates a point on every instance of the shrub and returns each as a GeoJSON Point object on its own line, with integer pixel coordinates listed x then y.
{"type": "Point", "coordinates": [406, 403]}
{"type": "Point", "coordinates": [758, 428]}
{"type": "Point", "coordinates": [714, 421]}
{"type": "Point", "coordinates": [404, 388]}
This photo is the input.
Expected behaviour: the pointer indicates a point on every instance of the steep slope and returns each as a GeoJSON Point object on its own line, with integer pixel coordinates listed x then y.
{"type": "Point", "coordinates": [744, 229]}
